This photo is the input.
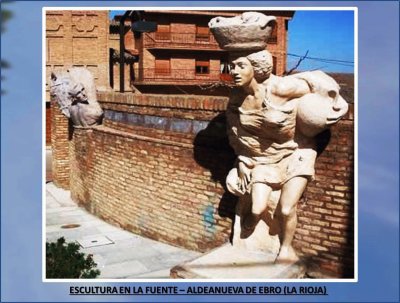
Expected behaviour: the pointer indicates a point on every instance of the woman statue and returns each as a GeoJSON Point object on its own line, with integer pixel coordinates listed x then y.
{"type": "Point", "coordinates": [272, 122]}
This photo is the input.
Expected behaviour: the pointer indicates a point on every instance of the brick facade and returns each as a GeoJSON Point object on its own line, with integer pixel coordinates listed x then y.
{"type": "Point", "coordinates": [157, 167]}
{"type": "Point", "coordinates": [60, 139]}
{"type": "Point", "coordinates": [176, 44]}
{"type": "Point", "coordinates": [78, 38]}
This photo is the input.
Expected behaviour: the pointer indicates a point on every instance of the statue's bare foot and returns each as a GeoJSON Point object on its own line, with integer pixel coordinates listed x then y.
{"type": "Point", "coordinates": [287, 255]}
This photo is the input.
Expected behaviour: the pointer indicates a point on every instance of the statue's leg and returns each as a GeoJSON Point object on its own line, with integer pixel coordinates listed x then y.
{"type": "Point", "coordinates": [290, 195]}
{"type": "Point", "coordinates": [260, 193]}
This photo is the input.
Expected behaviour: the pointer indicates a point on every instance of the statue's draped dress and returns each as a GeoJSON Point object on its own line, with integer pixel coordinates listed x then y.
{"type": "Point", "coordinates": [265, 140]}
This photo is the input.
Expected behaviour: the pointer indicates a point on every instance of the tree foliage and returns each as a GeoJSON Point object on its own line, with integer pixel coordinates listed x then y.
{"type": "Point", "coordinates": [64, 261]}
{"type": "Point", "coordinates": [5, 16]}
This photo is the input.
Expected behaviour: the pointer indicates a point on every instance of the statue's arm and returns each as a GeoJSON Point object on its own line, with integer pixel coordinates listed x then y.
{"type": "Point", "coordinates": [290, 87]}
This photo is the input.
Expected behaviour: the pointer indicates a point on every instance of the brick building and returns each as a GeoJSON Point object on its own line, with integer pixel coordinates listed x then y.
{"type": "Point", "coordinates": [182, 52]}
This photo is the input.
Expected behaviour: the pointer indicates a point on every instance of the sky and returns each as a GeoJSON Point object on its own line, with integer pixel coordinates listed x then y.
{"type": "Point", "coordinates": [378, 156]}
{"type": "Point", "coordinates": [325, 35]}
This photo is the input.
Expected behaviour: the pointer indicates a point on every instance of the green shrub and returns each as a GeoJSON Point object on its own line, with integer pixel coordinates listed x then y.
{"type": "Point", "coordinates": [64, 261]}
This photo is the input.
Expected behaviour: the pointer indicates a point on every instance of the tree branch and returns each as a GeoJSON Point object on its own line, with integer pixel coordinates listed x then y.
{"type": "Point", "coordinates": [297, 64]}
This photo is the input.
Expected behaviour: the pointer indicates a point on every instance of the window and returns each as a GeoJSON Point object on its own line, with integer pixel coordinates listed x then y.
{"type": "Point", "coordinates": [202, 33]}
{"type": "Point", "coordinates": [225, 67]}
{"type": "Point", "coordinates": [202, 67]}
{"type": "Point", "coordinates": [163, 32]}
{"type": "Point", "coordinates": [225, 70]}
{"type": "Point", "coordinates": [163, 66]}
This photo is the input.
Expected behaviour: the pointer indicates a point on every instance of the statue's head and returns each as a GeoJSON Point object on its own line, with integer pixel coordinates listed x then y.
{"type": "Point", "coordinates": [256, 65]}
{"type": "Point", "coordinates": [71, 86]}
{"type": "Point", "coordinates": [242, 71]}
{"type": "Point", "coordinates": [262, 64]}
{"type": "Point", "coordinates": [78, 93]}
{"type": "Point", "coordinates": [75, 92]}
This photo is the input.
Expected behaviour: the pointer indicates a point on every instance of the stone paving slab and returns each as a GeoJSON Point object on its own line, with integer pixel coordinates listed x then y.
{"type": "Point", "coordinates": [62, 196]}
{"type": "Point", "coordinates": [158, 274]}
{"type": "Point", "coordinates": [123, 269]}
{"type": "Point", "coordinates": [64, 210]}
{"type": "Point", "coordinates": [71, 234]}
{"type": "Point", "coordinates": [229, 262]}
{"type": "Point", "coordinates": [129, 257]}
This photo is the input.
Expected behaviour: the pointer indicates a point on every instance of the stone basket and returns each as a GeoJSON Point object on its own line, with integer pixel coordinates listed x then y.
{"type": "Point", "coordinates": [249, 31]}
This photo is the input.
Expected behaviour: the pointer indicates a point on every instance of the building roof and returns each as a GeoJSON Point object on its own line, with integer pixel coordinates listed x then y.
{"type": "Point", "coordinates": [230, 13]}
{"type": "Point", "coordinates": [218, 13]}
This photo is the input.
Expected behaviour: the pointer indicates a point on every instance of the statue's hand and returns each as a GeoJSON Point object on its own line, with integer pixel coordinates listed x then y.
{"type": "Point", "coordinates": [244, 176]}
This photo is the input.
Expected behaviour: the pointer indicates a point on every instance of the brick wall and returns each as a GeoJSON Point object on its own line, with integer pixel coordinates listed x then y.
{"type": "Point", "coordinates": [60, 138]}
{"type": "Point", "coordinates": [157, 168]}
{"type": "Point", "coordinates": [152, 187]}
{"type": "Point", "coordinates": [48, 124]}
{"type": "Point", "coordinates": [81, 162]}
{"type": "Point", "coordinates": [325, 231]}
{"type": "Point", "coordinates": [166, 184]}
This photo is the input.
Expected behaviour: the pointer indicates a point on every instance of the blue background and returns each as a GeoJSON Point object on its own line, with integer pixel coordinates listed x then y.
{"type": "Point", "coordinates": [21, 157]}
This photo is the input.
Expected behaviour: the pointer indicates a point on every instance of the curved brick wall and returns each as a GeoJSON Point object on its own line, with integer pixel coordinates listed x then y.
{"type": "Point", "coordinates": [157, 168]}
{"type": "Point", "coordinates": [148, 170]}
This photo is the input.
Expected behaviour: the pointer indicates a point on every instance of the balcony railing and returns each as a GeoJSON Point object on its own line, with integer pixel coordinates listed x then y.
{"type": "Point", "coordinates": [179, 40]}
{"type": "Point", "coordinates": [181, 75]}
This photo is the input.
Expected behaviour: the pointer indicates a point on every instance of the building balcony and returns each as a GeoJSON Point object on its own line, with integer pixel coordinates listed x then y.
{"type": "Point", "coordinates": [180, 76]}
{"type": "Point", "coordinates": [168, 40]}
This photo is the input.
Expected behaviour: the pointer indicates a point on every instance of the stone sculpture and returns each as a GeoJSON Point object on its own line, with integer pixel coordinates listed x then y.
{"type": "Point", "coordinates": [75, 92]}
{"type": "Point", "coordinates": [272, 124]}
{"type": "Point", "coordinates": [250, 30]}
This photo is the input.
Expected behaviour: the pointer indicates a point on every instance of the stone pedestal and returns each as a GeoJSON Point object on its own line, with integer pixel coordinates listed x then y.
{"type": "Point", "coordinates": [249, 256]}
{"type": "Point", "coordinates": [230, 262]}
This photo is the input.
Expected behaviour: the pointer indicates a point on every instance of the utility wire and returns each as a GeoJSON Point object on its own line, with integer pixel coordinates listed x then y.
{"type": "Point", "coordinates": [328, 62]}
{"type": "Point", "coordinates": [325, 60]}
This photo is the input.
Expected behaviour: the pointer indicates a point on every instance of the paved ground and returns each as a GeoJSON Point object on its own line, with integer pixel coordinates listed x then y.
{"type": "Point", "coordinates": [118, 253]}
